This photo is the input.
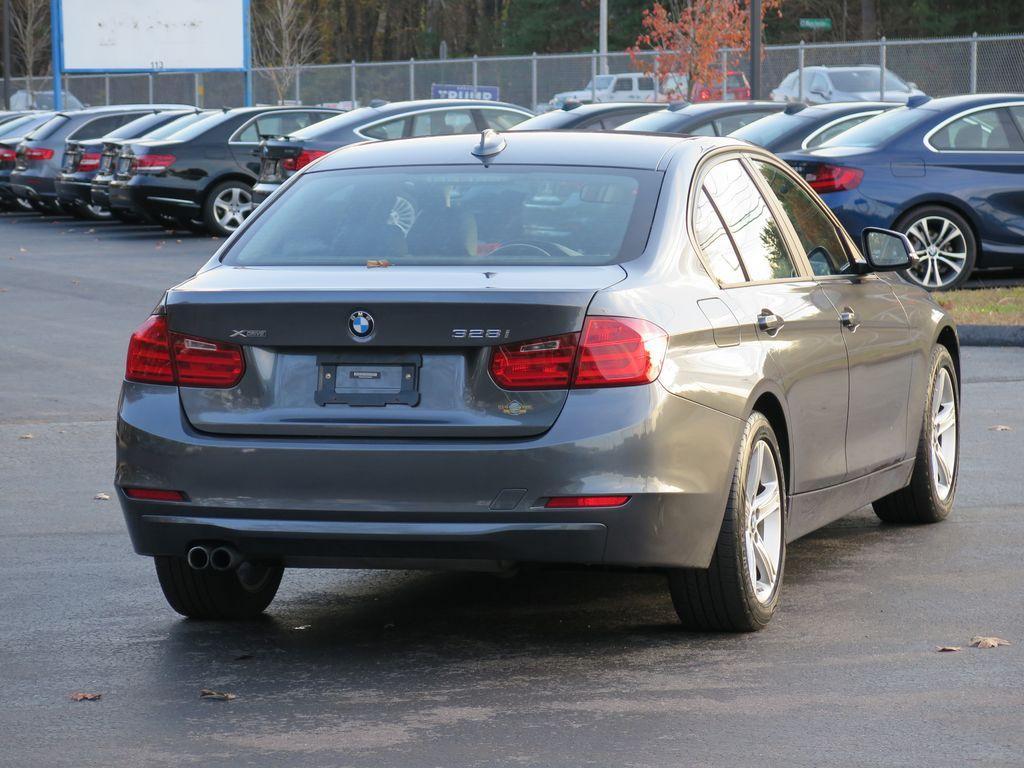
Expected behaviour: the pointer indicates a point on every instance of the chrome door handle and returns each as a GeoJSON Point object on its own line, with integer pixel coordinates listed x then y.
{"type": "Point", "coordinates": [769, 322]}
{"type": "Point", "coordinates": [848, 319]}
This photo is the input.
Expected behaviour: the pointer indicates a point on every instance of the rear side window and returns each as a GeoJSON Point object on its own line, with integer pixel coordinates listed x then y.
{"type": "Point", "coordinates": [750, 222]}
{"type": "Point", "coordinates": [502, 119]}
{"type": "Point", "coordinates": [714, 242]}
{"type": "Point", "coordinates": [455, 215]}
{"type": "Point", "coordinates": [443, 123]}
{"type": "Point", "coordinates": [989, 130]}
{"type": "Point", "coordinates": [837, 128]}
{"type": "Point", "coordinates": [645, 83]}
{"type": "Point", "coordinates": [730, 123]}
{"type": "Point", "coordinates": [623, 84]}
{"type": "Point", "coordinates": [393, 129]}
{"type": "Point", "coordinates": [821, 243]}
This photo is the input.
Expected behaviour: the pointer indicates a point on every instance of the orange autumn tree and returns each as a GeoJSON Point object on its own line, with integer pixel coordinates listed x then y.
{"type": "Point", "coordinates": [686, 40]}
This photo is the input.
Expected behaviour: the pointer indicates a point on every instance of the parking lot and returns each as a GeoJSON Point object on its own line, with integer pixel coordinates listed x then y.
{"type": "Point", "coordinates": [546, 668]}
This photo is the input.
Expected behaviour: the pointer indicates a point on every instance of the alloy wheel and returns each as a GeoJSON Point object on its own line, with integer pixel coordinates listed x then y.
{"type": "Point", "coordinates": [762, 534]}
{"type": "Point", "coordinates": [231, 206]}
{"type": "Point", "coordinates": [944, 435]}
{"type": "Point", "coordinates": [941, 248]}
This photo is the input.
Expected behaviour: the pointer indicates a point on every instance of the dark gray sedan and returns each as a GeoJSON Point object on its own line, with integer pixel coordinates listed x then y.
{"type": "Point", "coordinates": [479, 351]}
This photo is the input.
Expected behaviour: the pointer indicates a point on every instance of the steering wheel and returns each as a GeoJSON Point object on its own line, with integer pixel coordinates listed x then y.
{"type": "Point", "coordinates": [527, 248]}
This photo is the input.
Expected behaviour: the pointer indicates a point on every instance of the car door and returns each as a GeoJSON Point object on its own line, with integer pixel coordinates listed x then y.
{"type": "Point", "coordinates": [981, 152]}
{"type": "Point", "coordinates": [873, 323]}
{"type": "Point", "coordinates": [770, 288]}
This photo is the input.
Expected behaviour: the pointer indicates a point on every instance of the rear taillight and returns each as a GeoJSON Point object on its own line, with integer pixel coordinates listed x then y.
{"type": "Point", "coordinates": [610, 352]}
{"type": "Point", "coordinates": [159, 356]}
{"type": "Point", "coordinates": [152, 163]}
{"type": "Point", "coordinates": [833, 178]}
{"type": "Point", "coordinates": [38, 153]}
{"type": "Point", "coordinates": [89, 161]}
{"type": "Point", "coordinates": [538, 364]}
{"type": "Point", "coordinates": [305, 157]}
{"type": "Point", "coordinates": [585, 502]}
{"type": "Point", "coordinates": [705, 94]}
{"type": "Point", "coordinates": [7, 155]}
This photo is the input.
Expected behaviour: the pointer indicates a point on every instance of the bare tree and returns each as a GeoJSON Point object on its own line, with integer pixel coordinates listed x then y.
{"type": "Point", "coordinates": [30, 35]}
{"type": "Point", "coordinates": [284, 37]}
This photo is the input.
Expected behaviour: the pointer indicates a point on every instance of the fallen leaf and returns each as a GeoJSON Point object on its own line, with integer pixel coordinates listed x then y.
{"type": "Point", "coordinates": [947, 648]}
{"type": "Point", "coordinates": [987, 642]}
{"type": "Point", "coordinates": [86, 696]}
{"type": "Point", "coordinates": [23, 250]}
{"type": "Point", "coordinates": [76, 282]}
{"type": "Point", "coordinates": [303, 626]}
{"type": "Point", "coordinates": [89, 231]}
{"type": "Point", "coordinates": [3, 290]}
{"type": "Point", "coordinates": [1000, 428]}
{"type": "Point", "coordinates": [212, 695]}
{"type": "Point", "coordinates": [26, 436]}
{"type": "Point", "coordinates": [378, 263]}
{"type": "Point", "coordinates": [102, 497]}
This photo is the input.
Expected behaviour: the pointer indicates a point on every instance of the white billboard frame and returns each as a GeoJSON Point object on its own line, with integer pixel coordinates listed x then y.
{"type": "Point", "coordinates": [58, 53]}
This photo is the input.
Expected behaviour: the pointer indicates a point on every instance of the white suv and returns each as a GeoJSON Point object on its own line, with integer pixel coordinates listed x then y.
{"type": "Point", "coordinates": [627, 86]}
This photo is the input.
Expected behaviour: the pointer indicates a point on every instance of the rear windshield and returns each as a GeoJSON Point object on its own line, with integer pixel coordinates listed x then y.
{"type": "Point", "coordinates": [135, 128]}
{"type": "Point", "coordinates": [865, 80]}
{"type": "Point", "coordinates": [48, 128]}
{"type": "Point", "coordinates": [655, 122]}
{"type": "Point", "coordinates": [766, 130]}
{"type": "Point", "coordinates": [200, 127]}
{"type": "Point", "coordinates": [179, 124]}
{"type": "Point", "coordinates": [338, 126]}
{"type": "Point", "coordinates": [19, 125]}
{"type": "Point", "coordinates": [881, 129]}
{"type": "Point", "coordinates": [455, 215]}
{"type": "Point", "coordinates": [547, 121]}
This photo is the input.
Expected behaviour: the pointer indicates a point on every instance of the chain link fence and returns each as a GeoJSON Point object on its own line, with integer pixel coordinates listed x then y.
{"type": "Point", "coordinates": [938, 66]}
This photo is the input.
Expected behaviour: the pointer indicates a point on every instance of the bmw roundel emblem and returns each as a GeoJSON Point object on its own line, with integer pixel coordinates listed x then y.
{"type": "Point", "coordinates": [360, 324]}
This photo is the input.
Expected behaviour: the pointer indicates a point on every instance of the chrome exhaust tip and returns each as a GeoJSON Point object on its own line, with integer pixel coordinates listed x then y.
{"type": "Point", "coordinates": [198, 558]}
{"type": "Point", "coordinates": [225, 558]}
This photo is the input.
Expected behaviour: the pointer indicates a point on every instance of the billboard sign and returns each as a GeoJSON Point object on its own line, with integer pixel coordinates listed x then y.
{"type": "Point", "coordinates": [153, 35]}
{"type": "Point", "coordinates": [450, 91]}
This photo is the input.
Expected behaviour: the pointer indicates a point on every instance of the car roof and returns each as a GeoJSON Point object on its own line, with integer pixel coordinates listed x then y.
{"type": "Point", "coordinates": [612, 106]}
{"type": "Point", "coordinates": [953, 103]}
{"type": "Point", "coordinates": [580, 148]}
{"type": "Point", "coordinates": [724, 107]}
{"type": "Point", "coordinates": [843, 107]}
{"type": "Point", "coordinates": [398, 107]}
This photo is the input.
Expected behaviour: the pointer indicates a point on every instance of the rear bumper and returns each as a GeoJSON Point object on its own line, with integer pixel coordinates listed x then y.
{"type": "Point", "coordinates": [30, 186]}
{"type": "Point", "coordinates": [73, 192]}
{"type": "Point", "coordinates": [382, 502]}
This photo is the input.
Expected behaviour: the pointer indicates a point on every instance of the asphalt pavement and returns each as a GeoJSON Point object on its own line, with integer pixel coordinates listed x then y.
{"type": "Point", "coordinates": [548, 668]}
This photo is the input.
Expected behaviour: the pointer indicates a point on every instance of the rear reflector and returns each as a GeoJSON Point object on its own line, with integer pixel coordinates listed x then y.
{"type": "Point", "coordinates": [614, 352]}
{"type": "Point", "coordinates": [89, 161]}
{"type": "Point", "coordinates": [833, 178]}
{"type": "Point", "coordinates": [585, 502]}
{"type": "Point", "coordinates": [619, 351]}
{"type": "Point", "coordinates": [158, 356]}
{"type": "Point", "coordinates": [154, 494]}
{"type": "Point", "coordinates": [306, 157]}
{"type": "Point", "coordinates": [153, 163]}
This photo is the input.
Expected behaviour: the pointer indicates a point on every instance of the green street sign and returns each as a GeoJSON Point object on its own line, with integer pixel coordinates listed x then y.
{"type": "Point", "coordinates": [819, 24]}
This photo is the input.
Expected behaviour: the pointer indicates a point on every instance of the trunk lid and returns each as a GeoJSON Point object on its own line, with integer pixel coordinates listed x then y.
{"type": "Point", "coordinates": [275, 155]}
{"type": "Point", "coordinates": [423, 371]}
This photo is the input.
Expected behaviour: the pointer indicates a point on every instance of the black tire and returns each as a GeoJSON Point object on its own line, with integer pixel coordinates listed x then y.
{"type": "Point", "coordinates": [125, 217]}
{"type": "Point", "coordinates": [210, 220]}
{"type": "Point", "coordinates": [93, 213]}
{"type": "Point", "coordinates": [722, 597]}
{"type": "Point", "coordinates": [218, 595]}
{"type": "Point", "coordinates": [922, 501]}
{"type": "Point", "coordinates": [906, 225]}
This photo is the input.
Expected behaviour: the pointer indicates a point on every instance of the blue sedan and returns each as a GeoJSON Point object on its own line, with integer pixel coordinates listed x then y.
{"type": "Point", "coordinates": [947, 172]}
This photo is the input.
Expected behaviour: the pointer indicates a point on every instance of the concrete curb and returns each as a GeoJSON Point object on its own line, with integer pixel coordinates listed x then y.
{"type": "Point", "coordinates": [991, 335]}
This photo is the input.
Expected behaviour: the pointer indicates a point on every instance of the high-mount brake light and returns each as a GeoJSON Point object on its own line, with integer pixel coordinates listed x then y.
{"type": "Point", "coordinates": [157, 355]}
{"type": "Point", "coordinates": [305, 157]}
{"type": "Point", "coordinates": [833, 178]}
{"type": "Point", "coordinates": [610, 352]}
{"type": "Point", "coordinates": [153, 163]}
{"type": "Point", "coordinates": [89, 161]}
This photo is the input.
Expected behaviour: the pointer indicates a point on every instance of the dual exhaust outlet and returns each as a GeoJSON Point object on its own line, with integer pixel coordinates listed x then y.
{"type": "Point", "coordinates": [220, 558]}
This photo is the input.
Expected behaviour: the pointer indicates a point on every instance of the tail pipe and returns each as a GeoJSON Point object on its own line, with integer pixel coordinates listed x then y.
{"type": "Point", "coordinates": [198, 558]}
{"type": "Point", "coordinates": [225, 558]}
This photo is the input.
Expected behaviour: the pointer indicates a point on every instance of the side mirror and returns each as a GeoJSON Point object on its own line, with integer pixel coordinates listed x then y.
{"type": "Point", "coordinates": [886, 250]}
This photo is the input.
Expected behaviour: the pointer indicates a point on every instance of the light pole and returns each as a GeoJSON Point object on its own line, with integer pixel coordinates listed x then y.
{"type": "Point", "coordinates": [7, 54]}
{"type": "Point", "coordinates": [602, 45]}
{"type": "Point", "coordinates": [755, 49]}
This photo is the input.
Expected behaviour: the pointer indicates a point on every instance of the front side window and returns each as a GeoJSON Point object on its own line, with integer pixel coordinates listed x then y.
{"type": "Point", "coordinates": [985, 131]}
{"type": "Point", "coordinates": [455, 215]}
{"type": "Point", "coordinates": [750, 222]}
{"type": "Point", "coordinates": [821, 243]}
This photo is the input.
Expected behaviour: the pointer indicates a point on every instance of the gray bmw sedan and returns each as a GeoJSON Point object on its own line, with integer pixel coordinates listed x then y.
{"type": "Point", "coordinates": [478, 351]}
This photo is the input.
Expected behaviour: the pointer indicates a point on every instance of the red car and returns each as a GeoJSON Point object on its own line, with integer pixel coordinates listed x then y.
{"type": "Point", "coordinates": [737, 88]}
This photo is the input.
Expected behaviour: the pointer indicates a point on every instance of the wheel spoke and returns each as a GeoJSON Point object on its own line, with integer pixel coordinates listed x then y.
{"type": "Point", "coordinates": [766, 503]}
{"type": "Point", "coordinates": [945, 419]}
{"type": "Point", "coordinates": [764, 561]}
{"type": "Point", "coordinates": [940, 458]}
